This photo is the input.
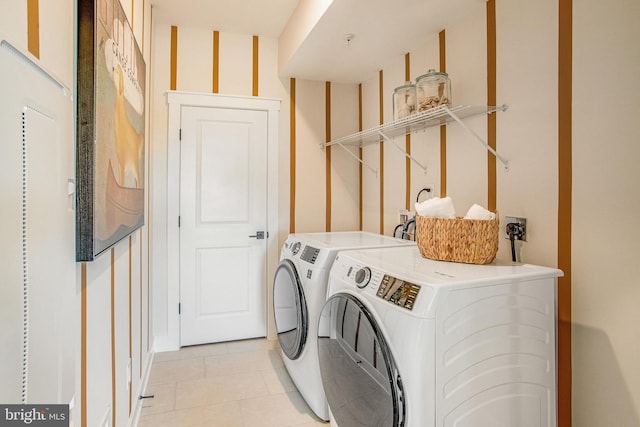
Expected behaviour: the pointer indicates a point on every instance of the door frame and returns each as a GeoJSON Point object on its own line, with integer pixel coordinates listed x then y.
{"type": "Point", "coordinates": [176, 100]}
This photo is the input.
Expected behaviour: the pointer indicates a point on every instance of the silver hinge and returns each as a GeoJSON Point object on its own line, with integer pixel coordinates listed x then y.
{"type": "Point", "coordinates": [180, 134]}
{"type": "Point", "coordinates": [178, 221]}
{"type": "Point", "coordinates": [179, 308]}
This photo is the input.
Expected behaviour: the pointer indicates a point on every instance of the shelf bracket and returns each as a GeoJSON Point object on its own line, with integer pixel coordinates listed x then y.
{"type": "Point", "coordinates": [354, 156]}
{"type": "Point", "coordinates": [504, 161]}
{"type": "Point", "coordinates": [386, 138]}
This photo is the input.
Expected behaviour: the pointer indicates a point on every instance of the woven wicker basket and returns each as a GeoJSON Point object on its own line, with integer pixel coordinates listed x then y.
{"type": "Point", "coordinates": [471, 241]}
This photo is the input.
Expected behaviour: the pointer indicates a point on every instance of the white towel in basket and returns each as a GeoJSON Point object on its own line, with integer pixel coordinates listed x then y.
{"type": "Point", "coordinates": [436, 208]}
{"type": "Point", "coordinates": [478, 212]}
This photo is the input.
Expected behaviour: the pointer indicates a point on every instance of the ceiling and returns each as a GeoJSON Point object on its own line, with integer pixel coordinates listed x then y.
{"type": "Point", "coordinates": [255, 17]}
{"type": "Point", "coordinates": [383, 29]}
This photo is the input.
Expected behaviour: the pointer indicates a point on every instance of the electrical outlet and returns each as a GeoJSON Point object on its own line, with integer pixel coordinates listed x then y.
{"type": "Point", "coordinates": [522, 226]}
{"type": "Point", "coordinates": [403, 216]}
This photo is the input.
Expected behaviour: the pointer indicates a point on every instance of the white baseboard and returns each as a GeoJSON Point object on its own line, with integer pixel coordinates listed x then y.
{"type": "Point", "coordinates": [135, 416]}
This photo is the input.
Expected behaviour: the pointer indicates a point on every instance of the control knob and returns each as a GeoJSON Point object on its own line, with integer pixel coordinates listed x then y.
{"type": "Point", "coordinates": [295, 248]}
{"type": "Point", "coordinates": [363, 276]}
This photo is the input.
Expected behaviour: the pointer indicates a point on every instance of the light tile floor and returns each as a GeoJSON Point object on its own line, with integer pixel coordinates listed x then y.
{"type": "Point", "coordinates": [233, 384]}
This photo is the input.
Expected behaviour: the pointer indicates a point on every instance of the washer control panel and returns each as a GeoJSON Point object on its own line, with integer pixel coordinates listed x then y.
{"type": "Point", "coordinates": [398, 292]}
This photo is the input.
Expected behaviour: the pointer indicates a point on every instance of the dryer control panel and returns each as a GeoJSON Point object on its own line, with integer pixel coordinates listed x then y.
{"type": "Point", "coordinates": [310, 254]}
{"type": "Point", "coordinates": [398, 292]}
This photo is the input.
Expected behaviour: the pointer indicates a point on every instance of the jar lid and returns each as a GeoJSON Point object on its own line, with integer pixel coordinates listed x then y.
{"type": "Point", "coordinates": [432, 73]}
{"type": "Point", "coordinates": [406, 85]}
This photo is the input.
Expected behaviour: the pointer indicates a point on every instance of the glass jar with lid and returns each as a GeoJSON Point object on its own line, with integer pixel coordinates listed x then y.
{"type": "Point", "coordinates": [433, 89]}
{"type": "Point", "coordinates": [404, 100]}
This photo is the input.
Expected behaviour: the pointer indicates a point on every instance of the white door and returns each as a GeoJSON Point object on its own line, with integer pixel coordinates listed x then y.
{"type": "Point", "coordinates": [223, 207]}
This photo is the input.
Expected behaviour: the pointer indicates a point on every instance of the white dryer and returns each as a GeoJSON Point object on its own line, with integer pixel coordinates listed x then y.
{"type": "Point", "coordinates": [407, 341]}
{"type": "Point", "coordinates": [299, 293]}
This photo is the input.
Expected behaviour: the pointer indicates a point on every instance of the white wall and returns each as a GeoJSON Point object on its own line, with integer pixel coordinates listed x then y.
{"type": "Point", "coordinates": [528, 130]}
{"type": "Point", "coordinates": [394, 176]}
{"type": "Point", "coordinates": [527, 66]}
{"type": "Point", "coordinates": [344, 170]}
{"type": "Point", "coordinates": [606, 331]}
{"type": "Point", "coordinates": [195, 74]}
{"type": "Point", "coordinates": [425, 145]}
{"type": "Point", "coordinates": [38, 308]}
{"type": "Point", "coordinates": [467, 68]}
{"type": "Point", "coordinates": [371, 156]}
{"type": "Point", "coordinates": [606, 97]}
{"type": "Point", "coordinates": [52, 252]}
{"type": "Point", "coordinates": [310, 172]}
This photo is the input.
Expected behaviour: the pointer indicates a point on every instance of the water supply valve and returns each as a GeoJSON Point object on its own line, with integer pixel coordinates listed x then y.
{"type": "Point", "coordinates": [516, 229]}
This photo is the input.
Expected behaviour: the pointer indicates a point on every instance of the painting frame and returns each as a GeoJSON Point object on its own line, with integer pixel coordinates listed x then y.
{"type": "Point", "coordinates": [110, 129]}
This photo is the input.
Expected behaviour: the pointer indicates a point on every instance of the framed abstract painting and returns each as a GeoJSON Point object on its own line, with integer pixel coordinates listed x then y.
{"type": "Point", "coordinates": [110, 128]}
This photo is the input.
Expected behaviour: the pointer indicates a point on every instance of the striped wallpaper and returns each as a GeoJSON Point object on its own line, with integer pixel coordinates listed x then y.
{"type": "Point", "coordinates": [565, 160]}
{"type": "Point", "coordinates": [133, 283]}
{"type": "Point", "coordinates": [491, 100]}
{"type": "Point", "coordinates": [443, 129]}
{"type": "Point", "coordinates": [381, 144]}
{"type": "Point", "coordinates": [564, 249]}
{"type": "Point", "coordinates": [33, 27]}
{"type": "Point", "coordinates": [327, 119]}
{"type": "Point", "coordinates": [407, 142]}
{"type": "Point", "coordinates": [216, 63]}
{"type": "Point", "coordinates": [564, 152]}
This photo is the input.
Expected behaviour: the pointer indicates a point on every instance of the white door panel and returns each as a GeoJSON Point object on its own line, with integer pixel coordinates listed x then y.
{"type": "Point", "coordinates": [222, 203]}
{"type": "Point", "coordinates": [224, 184]}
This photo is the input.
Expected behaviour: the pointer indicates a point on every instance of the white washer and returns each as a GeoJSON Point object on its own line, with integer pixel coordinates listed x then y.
{"type": "Point", "coordinates": [299, 293]}
{"type": "Point", "coordinates": [407, 341]}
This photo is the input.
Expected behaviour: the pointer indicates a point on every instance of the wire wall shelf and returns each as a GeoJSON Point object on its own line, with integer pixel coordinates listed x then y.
{"type": "Point", "coordinates": [437, 116]}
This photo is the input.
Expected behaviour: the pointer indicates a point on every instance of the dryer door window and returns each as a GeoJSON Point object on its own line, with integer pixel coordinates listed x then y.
{"type": "Point", "coordinates": [359, 375]}
{"type": "Point", "coordinates": [290, 310]}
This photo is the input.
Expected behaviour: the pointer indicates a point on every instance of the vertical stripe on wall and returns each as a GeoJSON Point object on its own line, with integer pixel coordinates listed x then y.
{"type": "Point", "coordinates": [443, 129]}
{"type": "Point", "coordinates": [491, 100]}
{"type": "Point", "coordinates": [143, 29]}
{"type": "Point", "coordinates": [83, 344]}
{"type": "Point", "coordinates": [113, 338]}
{"type": "Point", "coordinates": [327, 131]}
{"type": "Point", "coordinates": [130, 314]}
{"type": "Point", "coordinates": [360, 155]}
{"type": "Point", "coordinates": [407, 143]}
{"type": "Point", "coordinates": [292, 158]}
{"type": "Point", "coordinates": [149, 160]}
{"type": "Point", "coordinates": [141, 298]}
{"type": "Point", "coordinates": [255, 66]}
{"type": "Point", "coordinates": [565, 188]}
{"type": "Point", "coordinates": [174, 57]}
{"type": "Point", "coordinates": [381, 154]}
{"type": "Point", "coordinates": [216, 62]}
{"type": "Point", "coordinates": [33, 27]}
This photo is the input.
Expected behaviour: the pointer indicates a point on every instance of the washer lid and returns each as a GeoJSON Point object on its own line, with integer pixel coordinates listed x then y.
{"type": "Point", "coordinates": [290, 310]}
{"type": "Point", "coordinates": [359, 374]}
{"type": "Point", "coordinates": [350, 240]}
{"type": "Point", "coordinates": [407, 263]}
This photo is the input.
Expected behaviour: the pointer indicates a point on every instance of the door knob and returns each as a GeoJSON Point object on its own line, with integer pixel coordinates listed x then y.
{"type": "Point", "coordinates": [259, 235]}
